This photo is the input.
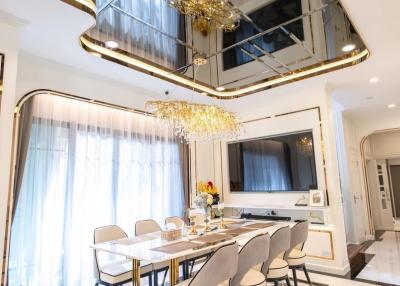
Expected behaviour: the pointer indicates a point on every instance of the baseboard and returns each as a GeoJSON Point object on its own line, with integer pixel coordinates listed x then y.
{"type": "Point", "coordinates": [370, 237]}
{"type": "Point", "coordinates": [329, 269]}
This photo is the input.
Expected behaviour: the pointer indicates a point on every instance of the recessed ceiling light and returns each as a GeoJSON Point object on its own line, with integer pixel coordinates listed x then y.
{"type": "Point", "coordinates": [348, 48]}
{"type": "Point", "coordinates": [373, 79]}
{"type": "Point", "coordinates": [96, 54]}
{"type": "Point", "coordinates": [112, 44]}
{"type": "Point", "coordinates": [370, 97]}
{"type": "Point", "coordinates": [391, 105]}
{"type": "Point", "coordinates": [220, 88]}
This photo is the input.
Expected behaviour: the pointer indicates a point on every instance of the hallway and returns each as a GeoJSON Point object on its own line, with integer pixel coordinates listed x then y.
{"type": "Point", "coordinates": [384, 267]}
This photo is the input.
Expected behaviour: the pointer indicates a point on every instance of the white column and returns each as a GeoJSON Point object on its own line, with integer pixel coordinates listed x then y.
{"type": "Point", "coordinates": [9, 47]}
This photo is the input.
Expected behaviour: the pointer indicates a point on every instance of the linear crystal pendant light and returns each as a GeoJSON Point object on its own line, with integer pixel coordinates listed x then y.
{"type": "Point", "coordinates": [197, 122]}
{"type": "Point", "coordinates": [194, 121]}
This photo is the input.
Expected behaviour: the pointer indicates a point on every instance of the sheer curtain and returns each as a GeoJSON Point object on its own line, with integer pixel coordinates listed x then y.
{"type": "Point", "coordinates": [88, 166]}
{"type": "Point", "coordinates": [265, 167]}
{"type": "Point", "coordinates": [135, 25]}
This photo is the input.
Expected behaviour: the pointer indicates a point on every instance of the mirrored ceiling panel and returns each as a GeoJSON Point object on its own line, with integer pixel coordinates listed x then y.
{"type": "Point", "coordinates": [226, 48]}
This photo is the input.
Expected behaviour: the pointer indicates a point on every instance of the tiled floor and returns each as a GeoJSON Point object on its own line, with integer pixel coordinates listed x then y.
{"type": "Point", "coordinates": [385, 265]}
{"type": "Point", "coordinates": [322, 280]}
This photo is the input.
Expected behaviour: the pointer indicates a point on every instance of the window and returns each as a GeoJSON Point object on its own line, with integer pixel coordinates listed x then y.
{"type": "Point", "coordinates": [88, 166]}
{"type": "Point", "coordinates": [269, 16]}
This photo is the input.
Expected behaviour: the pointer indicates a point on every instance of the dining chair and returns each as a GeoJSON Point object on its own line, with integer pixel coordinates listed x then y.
{"type": "Point", "coordinates": [190, 260]}
{"type": "Point", "coordinates": [220, 267]}
{"type": "Point", "coordinates": [147, 226]}
{"type": "Point", "coordinates": [276, 267]}
{"type": "Point", "coordinates": [117, 271]}
{"type": "Point", "coordinates": [176, 220]}
{"type": "Point", "coordinates": [295, 256]}
{"type": "Point", "coordinates": [254, 252]}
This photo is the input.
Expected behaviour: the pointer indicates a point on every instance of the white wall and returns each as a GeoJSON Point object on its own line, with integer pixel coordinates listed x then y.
{"type": "Point", "coordinates": [385, 145]}
{"type": "Point", "coordinates": [210, 157]}
{"type": "Point", "coordinates": [9, 48]}
{"type": "Point", "coordinates": [37, 73]}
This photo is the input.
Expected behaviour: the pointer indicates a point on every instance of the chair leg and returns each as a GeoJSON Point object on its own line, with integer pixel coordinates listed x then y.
{"type": "Point", "coordinates": [294, 276]}
{"type": "Point", "coordinates": [191, 267]}
{"type": "Point", "coordinates": [155, 278]}
{"type": "Point", "coordinates": [288, 281]}
{"type": "Point", "coordinates": [150, 277]}
{"type": "Point", "coordinates": [276, 283]}
{"type": "Point", "coordinates": [307, 276]}
{"type": "Point", "coordinates": [165, 277]}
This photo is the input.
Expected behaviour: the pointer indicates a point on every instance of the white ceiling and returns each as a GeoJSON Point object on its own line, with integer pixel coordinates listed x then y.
{"type": "Point", "coordinates": [54, 36]}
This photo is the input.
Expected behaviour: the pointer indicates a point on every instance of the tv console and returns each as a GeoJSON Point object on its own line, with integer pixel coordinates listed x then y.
{"type": "Point", "coordinates": [265, 217]}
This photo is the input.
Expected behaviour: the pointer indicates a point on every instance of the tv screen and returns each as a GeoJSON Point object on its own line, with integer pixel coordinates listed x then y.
{"type": "Point", "coordinates": [283, 163]}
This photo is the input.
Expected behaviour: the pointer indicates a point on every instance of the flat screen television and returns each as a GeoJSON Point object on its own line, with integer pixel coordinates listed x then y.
{"type": "Point", "coordinates": [283, 163]}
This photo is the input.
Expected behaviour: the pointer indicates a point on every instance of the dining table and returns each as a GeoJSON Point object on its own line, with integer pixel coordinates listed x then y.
{"type": "Point", "coordinates": [152, 248]}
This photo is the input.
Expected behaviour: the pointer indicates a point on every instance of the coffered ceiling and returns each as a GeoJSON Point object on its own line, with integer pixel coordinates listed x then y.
{"type": "Point", "coordinates": [273, 43]}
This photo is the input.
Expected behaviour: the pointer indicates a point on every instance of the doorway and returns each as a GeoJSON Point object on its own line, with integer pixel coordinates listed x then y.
{"type": "Point", "coordinates": [381, 154]}
{"type": "Point", "coordinates": [394, 180]}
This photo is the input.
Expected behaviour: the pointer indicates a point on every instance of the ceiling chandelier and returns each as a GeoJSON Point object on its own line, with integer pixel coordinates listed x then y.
{"type": "Point", "coordinates": [208, 14]}
{"type": "Point", "coordinates": [305, 146]}
{"type": "Point", "coordinates": [197, 122]}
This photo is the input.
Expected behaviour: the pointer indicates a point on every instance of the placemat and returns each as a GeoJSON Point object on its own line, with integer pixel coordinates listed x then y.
{"type": "Point", "coordinates": [260, 225]}
{"type": "Point", "coordinates": [238, 231]}
{"type": "Point", "coordinates": [176, 247]}
{"type": "Point", "coordinates": [226, 222]}
{"type": "Point", "coordinates": [212, 238]}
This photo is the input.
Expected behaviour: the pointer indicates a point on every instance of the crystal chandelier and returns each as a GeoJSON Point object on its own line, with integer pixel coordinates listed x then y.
{"type": "Point", "coordinates": [197, 122]}
{"type": "Point", "coordinates": [209, 14]}
{"type": "Point", "coordinates": [305, 146]}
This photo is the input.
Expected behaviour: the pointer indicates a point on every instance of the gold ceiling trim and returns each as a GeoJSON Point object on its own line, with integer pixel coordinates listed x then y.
{"type": "Point", "coordinates": [88, 6]}
{"type": "Point", "coordinates": [136, 63]}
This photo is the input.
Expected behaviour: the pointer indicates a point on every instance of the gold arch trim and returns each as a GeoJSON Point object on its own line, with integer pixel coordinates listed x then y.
{"type": "Point", "coordinates": [136, 63]}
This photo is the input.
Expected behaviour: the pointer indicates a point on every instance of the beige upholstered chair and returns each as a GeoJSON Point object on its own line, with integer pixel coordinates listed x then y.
{"type": "Point", "coordinates": [254, 252]}
{"type": "Point", "coordinates": [276, 268]}
{"type": "Point", "coordinates": [118, 270]}
{"type": "Point", "coordinates": [220, 267]}
{"type": "Point", "coordinates": [190, 260]}
{"type": "Point", "coordinates": [295, 256]}
{"type": "Point", "coordinates": [177, 221]}
{"type": "Point", "coordinates": [147, 226]}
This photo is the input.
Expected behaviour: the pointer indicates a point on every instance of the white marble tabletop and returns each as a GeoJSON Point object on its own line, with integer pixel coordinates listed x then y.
{"type": "Point", "coordinates": [140, 247]}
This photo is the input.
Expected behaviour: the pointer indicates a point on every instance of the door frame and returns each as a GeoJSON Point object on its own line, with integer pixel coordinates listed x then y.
{"type": "Point", "coordinates": [365, 176]}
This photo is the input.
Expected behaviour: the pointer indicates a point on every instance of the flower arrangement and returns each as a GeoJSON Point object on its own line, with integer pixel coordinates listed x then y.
{"type": "Point", "coordinates": [208, 188]}
{"type": "Point", "coordinates": [203, 200]}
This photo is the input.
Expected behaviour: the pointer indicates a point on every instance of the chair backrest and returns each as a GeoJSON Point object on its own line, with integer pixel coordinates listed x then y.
{"type": "Point", "coordinates": [177, 221]}
{"type": "Point", "coordinates": [279, 244]}
{"type": "Point", "coordinates": [197, 215]}
{"type": "Point", "coordinates": [103, 234]}
{"type": "Point", "coordinates": [254, 252]}
{"type": "Point", "coordinates": [146, 226]}
{"type": "Point", "coordinates": [221, 266]}
{"type": "Point", "coordinates": [298, 236]}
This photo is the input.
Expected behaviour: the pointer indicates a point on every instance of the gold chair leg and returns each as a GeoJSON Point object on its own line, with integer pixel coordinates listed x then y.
{"type": "Point", "coordinates": [135, 272]}
{"type": "Point", "coordinates": [173, 271]}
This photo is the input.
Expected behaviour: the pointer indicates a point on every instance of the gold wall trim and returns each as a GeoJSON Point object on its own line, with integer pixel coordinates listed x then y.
{"type": "Point", "coordinates": [147, 67]}
{"type": "Point", "coordinates": [323, 153]}
{"type": "Point", "coordinates": [365, 176]}
{"type": "Point", "coordinates": [332, 257]}
{"type": "Point", "coordinates": [17, 110]}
